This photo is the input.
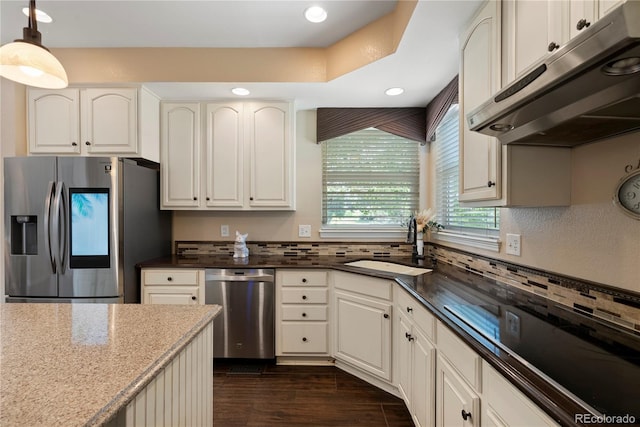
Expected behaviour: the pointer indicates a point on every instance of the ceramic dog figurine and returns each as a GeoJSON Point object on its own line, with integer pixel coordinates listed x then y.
{"type": "Point", "coordinates": [240, 249]}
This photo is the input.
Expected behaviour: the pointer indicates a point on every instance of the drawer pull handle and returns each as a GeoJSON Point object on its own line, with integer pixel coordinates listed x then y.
{"type": "Point", "coordinates": [169, 279]}
{"type": "Point", "coordinates": [304, 314]}
{"type": "Point", "coordinates": [304, 339]}
{"type": "Point", "coordinates": [409, 309]}
{"type": "Point", "coordinates": [193, 297]}
{"type": "Point", "coordinates": [304, 280]}
{"type": "Point", "coordinates": [465, 415]}
{"type": "Point", "coordinates": [304, 297]}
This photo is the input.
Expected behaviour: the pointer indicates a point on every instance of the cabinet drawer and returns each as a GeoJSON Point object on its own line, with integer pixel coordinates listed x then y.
{"type": "Point", "coordinates": [466, 361]}
{"type": "Point", "coordinates": [304, 337]}
{"type": "Point", "coordinates": [417, 312]}
{"type": "Point", "coordinates": [303, 312]}
{"type": "Point", "coordinates": [303, 278]}
{"type": "Point", "coordinates": [304, 296]}
{"type": "Point", "coordinates": [170, 277]}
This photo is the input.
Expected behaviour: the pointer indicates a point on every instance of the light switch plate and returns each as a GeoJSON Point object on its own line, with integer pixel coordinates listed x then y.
{"type": "Point", "coordinates": [224, 230]}
{"type": "Point", "coordinates": [513, 244]}
{"type": "Point", "coordinates": [304, 230]}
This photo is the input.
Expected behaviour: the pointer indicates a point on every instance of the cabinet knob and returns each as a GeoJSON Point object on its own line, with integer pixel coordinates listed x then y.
{"type": "Point", "coordinates": [74, 144]}
{"type": "Point", "coordinates": [195, 198]}
{"type": "Point", "coordinates": [250, 198]}
{"type": "Point", "coordinates": [169, 279]}
{"type": "Point", "coordinates": [465, 415]}
{"type": "Point", "coordinates": [409, 309]}
{"type": "Point", "coordinates": [208, 198]}
{"type": "Point", "coordinates": [583, 23]}
{"type": "Point", "coordinates": [553, 46]}
{"type": "Point", "coordinates": [490, 184]}
{"type": "Point", "coordinates": [386, 316]}
{"type": "Point", "coordinates": [304, 297]}
{"type": "Point", "coordinates": [304, 314]}
{"type": "Point", "coordinates": [87, 143]}
{"type": "Point", "coordinates": [193, 297]}
{"type": "Point", "coordinates": [304, 339]}
{"type": "Point", "coordinates": [304, 280]}
{"type": "Point", "coordinates": [408, 336]}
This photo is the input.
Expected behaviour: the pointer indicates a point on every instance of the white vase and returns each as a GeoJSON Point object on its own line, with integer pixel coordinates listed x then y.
{"type": "Point", "coordinates": [420, 243]}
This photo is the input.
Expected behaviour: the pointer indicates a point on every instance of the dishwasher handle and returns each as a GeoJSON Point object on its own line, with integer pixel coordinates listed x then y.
{"type": "Point", "coordinates": [227, 275]}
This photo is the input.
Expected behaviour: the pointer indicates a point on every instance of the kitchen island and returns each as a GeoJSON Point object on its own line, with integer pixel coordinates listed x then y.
{"type": "Point", "coordinates": [89, 364]}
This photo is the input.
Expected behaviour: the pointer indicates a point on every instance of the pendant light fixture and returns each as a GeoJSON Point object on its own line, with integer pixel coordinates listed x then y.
{"type": "Point", "coordinates": [26, 61]}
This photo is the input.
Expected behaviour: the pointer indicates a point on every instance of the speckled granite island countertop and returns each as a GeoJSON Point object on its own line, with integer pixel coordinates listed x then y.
{"type": "Point", "coordinates": [79, 364]}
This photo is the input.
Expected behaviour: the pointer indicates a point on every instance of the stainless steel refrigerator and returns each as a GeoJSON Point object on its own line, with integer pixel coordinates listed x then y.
{"type": "Point", "coordinates": [75, 227]}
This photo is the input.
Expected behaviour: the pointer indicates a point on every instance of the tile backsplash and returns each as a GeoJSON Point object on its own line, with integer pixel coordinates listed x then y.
{"type": "Point", "coordinates": [593, 299]}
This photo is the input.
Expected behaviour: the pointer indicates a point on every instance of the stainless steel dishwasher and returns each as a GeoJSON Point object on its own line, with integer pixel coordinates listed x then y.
{"type": "Point", "coordinates": [245, 328]}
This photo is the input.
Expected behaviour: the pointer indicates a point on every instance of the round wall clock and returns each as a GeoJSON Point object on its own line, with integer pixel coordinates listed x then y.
{"type": "Point", "coordinates": [627, 194]}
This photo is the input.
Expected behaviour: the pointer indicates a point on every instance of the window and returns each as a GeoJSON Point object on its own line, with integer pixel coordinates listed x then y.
{"type": "Point", "coordinates": [370, 178]}
{"type": "Point", "coordinates": [449, 212]}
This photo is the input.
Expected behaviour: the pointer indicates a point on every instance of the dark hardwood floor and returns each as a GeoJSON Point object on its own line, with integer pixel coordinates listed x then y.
{"type": "Point", "coordinates": [260, 394]}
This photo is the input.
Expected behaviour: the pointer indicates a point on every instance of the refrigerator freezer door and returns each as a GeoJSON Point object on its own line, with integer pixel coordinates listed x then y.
{"type": "Point", "coordinates": [29, 242]}
{"type": "Point", "coordinates": [89, 233]}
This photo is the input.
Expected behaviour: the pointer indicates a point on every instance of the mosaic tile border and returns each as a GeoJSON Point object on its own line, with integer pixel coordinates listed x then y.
{"type": "Point", "coordinates": [296, 248]}
{"type": "Point", "coordinates": [593, 299]}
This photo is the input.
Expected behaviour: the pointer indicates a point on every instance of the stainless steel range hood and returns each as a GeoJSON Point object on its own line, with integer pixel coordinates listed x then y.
{"type": "Point", "coordinates": [587, 90]}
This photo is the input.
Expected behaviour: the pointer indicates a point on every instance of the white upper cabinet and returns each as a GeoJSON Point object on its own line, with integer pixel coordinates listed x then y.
{"type": "Point", "coordinates": [180, 155]}
{"type": "Point", "coordinates": [225, 155]}
{"type": "Point", "coordinates": [243, 157]}
{"type": "Point", "coordinates": [531, 29]}
{"type": "Point", "coordinates": [269, 135]}
{"type": "Point", "coordinates": [94, 121]}
{"type": "Point", "coordinates": [479, 80]}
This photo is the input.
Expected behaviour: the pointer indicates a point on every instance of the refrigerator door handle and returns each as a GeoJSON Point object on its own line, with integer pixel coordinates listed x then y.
{"type": "Point", "coordinates": [60, 220]}
{"type": "Point", "coordinates": [47, 225]}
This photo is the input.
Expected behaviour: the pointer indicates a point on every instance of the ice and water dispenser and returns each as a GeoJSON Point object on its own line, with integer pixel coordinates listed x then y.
{"type": "Point", "coordinates": [24, 234]}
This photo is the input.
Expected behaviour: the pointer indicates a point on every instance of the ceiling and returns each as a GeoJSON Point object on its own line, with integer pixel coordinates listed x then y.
{"type": "Point", "coordinates": [425, 61]}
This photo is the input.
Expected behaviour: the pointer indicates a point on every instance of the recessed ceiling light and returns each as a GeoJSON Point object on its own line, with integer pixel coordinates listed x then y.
{"type": "Point", "coordinates": [40, 15]}
{"type": "Point", "coordinates": [240, 91]}
{"type": "Point", "coordinates": [394, 91]}
{"type": "Point", "coordinates": [315, 14]}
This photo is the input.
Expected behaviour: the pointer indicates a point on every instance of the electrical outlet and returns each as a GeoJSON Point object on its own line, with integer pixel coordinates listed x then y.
{"type": "Point", "coordinates": [513, 244]}
{"type": "Point", "coordinates": [224, 230]}
{"type": "Point", "coordinates": [304, 231]}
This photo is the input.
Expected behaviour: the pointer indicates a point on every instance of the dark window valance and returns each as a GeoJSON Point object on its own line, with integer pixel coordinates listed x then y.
{"type": "Point", "coordinates": [405, 122]}
{"type": "Point", "coordinates": [439, 106]}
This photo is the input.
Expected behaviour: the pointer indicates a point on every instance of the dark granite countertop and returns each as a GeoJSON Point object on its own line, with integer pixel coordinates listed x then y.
{"type": "Point", "coordinates": [566, 362]}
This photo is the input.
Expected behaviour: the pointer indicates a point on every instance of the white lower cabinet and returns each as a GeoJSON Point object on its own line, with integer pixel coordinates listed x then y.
{"type": "Point", "coordinates": [180, 286]}
{"type": "Point", "coordinates": [416, 370]}
{"type": "Point", "coordinates": [505, 405]}
{"type": "Point", "coordinates": [457, 404]}
{"type": "Point", "coordinates": [362, 310]}
{"type": "Point", "coordinates": [302, 313]}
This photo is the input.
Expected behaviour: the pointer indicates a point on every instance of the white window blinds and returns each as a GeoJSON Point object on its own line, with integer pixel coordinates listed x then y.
{"type": "Point", "coordinates": [449, 212]}
{"type": "Point", "coordinates": [370, 177]}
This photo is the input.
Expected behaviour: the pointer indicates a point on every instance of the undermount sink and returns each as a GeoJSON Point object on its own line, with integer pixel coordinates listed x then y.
{"type": "Point", "coordinates": [388, 267]}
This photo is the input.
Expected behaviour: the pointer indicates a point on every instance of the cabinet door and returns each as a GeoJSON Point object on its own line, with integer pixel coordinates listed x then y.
{"type": "Point", "coordinates": [171, 295]}
{"type": "Point", "coordinates": [180, 155]}
{"type": "Point", "coordinates": [363, 333]}
{"type": "Point", "coordinates": [109, 121]}
{"type": "Point", "coordinates": [529, 27]}
{"type": "Point", "coordinates": [606, 6]}
{"type": "Point", "coordinates": [225, 156]}
{"type": "Point", "coordinates": [404, 356]}
{"type": "Point", "coordinates": [479, 80]}
{"type": "Point", "coordinates": [456, 403]}
{"type": "Point", "coordinates": [53, 116]}
{"type": "Point", "coordinates": [581, 14]}
{"type": "Point", "coordinates": [269, 134]}
{"type": "Point", "coordinates": [423, 379]}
